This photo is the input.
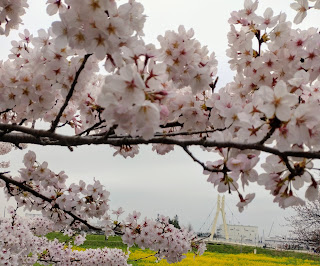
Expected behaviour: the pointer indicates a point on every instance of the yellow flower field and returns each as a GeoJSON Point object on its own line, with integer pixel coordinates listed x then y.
{"type": "Point", "coordinates": [209, 258]}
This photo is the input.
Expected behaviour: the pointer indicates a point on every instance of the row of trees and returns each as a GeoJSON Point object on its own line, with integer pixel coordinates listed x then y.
{"type": "Point", "coordinates": [305, 225]}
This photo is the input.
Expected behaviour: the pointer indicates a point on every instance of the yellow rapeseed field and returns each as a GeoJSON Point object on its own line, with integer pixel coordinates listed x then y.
{"type": "Point", "coordinates": [210, 258]}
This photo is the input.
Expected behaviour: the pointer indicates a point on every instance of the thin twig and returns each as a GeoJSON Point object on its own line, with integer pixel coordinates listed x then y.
{"type": "Point", "coordinates": [186, 133]}
{"type": "Point", "coordinates": [200, 239]}
{"type": "Point", "coordinates": [183, 133]}
{"type": "Point", "coordinates": [91, 128]}
{"type": "Point", "coordinates": [172, 124]}
{"type": "Point", "coordinates": [152, 255]}
{"type": "Point", "coordinates": [5, 111]}
{"type": "Point", "coordinates": [201, 163]}
{"type": "Point", "coordinates": [268, 135]}
{"type": "Point", "coordinates": [214, 84]}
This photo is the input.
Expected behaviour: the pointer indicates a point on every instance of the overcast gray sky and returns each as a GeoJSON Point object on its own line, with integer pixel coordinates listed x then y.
{"type": "Point", "coordinates": [170, 184]}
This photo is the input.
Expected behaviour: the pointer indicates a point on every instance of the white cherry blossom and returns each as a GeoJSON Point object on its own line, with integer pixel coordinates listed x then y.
{"type": "Point", "coordinates": [277, 101]}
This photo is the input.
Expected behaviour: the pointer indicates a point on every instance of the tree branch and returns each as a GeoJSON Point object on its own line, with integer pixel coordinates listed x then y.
{"type": "Point", "coordinates": [172, 124]}
{"type": "Point", "coordinates": [46, 138]}
{"type": "Point", "coordinates": [87, 131]}
{"type": "Point", "coordinates": [189, 133]}
{"type": "Point", "coordinates": [23, 187]}
{"type": "Point", "coordinates": [268, 135]}
{"type": "Point", "coordinates": [152, 255]}
{"type": "Point", "coordinates": [5, 111]}
{"type": "Point", "coordinates": [201, 163]}
{"type": "Point", "coordinates": [55, 261]}
{"type": "Point", "coordinates": [73, 85]}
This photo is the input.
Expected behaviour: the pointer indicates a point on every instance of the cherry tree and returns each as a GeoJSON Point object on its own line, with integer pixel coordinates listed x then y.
{"type": "Point", "coordinates": [163, 95]}
{"type": "Point", "coordinates": [305, 224]}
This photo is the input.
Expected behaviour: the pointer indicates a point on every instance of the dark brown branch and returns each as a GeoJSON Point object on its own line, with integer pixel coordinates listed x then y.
{"type": "Point", "coordinates": [56, 261]}
{"type": "Point", "coordinates": [22, 121]}
{"type": "Point", "coordinates": [87, 131]}
{"type": "Point", "coordinates": [183, 133]}
{"type": "Point", "coordinates": [214, 84]}
{"type": "Point", "coordinates": [65, 123]}
{"type": "Point", "coordinates": [268, 135]}
{"type": "Point", "coordinates": [172, 124]}
{"type": "Point", "coordinates": [73, 85]}
{"type": "Point", "coordinates": [49, 261]}
{"type": "Point", "coordinates": [152, 255]}
{"type": "Point", "coordinates": [23, 187]}
{"type": "Point", "coordinates": [47, 138]}
{"type": "Point", "coordinates": [5, 111]}
{"type": "Point", "coordinates": [201, 163]}
{"type": "Point", "coordinates": [110, 131]}
{"type": "Point", "coordinates": [186, 133]}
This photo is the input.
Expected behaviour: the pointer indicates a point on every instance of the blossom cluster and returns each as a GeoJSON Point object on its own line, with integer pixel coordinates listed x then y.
{"type": "Point", "coordinates": [66, 208]}
{"type": "Point", "coordinates": [164, 96]}
{"type": "Point", "coordinates": [271, 101]}
{"type": "Point", "coordinates": [170, 243]}
{"type": "Point", "coordinates": [36, 80]}
{"type": "Point", "coordinates": [85, 201]}
{"type": "Point", "coordinates": [10, 14]}
{"type": "Point", "coordinates": [22, 243]}
{"type": "Point", "coordinates": [302, 6]}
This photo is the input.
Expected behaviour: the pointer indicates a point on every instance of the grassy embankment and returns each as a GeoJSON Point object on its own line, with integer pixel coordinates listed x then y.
{"type": "Point", "coordinates": [215, 255]}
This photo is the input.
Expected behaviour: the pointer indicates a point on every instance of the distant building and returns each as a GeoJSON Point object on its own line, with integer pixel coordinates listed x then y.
{"type": "Point", "coordinates": [240, 233]}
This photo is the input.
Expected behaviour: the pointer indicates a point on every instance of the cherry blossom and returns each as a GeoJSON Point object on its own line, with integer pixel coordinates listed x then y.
{"type": "Point", "coordinates": [165, 94]}
{"type": "Point", "coordinates": [245, 201]}
{"type": "Point", "coordinates": [302, 7]}
{"type": "Point", "coordinates": [277, 101]}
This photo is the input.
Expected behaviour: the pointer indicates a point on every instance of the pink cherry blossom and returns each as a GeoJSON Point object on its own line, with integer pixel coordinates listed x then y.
{"type": "Point", "coordinates": [278, 102]}
{"type": "Point", "coordinates": [302, 7]}
{"type": "Point", "coordinates": [164, 95]}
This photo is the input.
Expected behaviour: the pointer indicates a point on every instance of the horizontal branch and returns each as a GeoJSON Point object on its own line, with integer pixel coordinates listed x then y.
{"type": "Point", "coordinates": [172, 134]}
{"type": "Point", "coordinates": [55, 261]}
{"type": "Point", "coordinates": [21, 134]}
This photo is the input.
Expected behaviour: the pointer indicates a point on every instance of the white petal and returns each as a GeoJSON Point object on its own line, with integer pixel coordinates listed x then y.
{"type": "Point", "coordinates": [290, 100]}
{"type": "Point", "coordinates": [52, 9]}
{"type": "Point", "coordinates": [280, 89]}
{"type": "Point", "coordinates": [283, 112]}
{"type": "Point", "coordinates": [266, 93]}
{"type": "Point", "coordinates": [61, 41]}
{"type": "Point", "coordinates": [299, 17]}
{"type": "Point", "coordinates": [268, 13]}
{"type": "Point", "coordinates": [312, 193]}
{"type": "Point", "coordinates": [247, 4]}
{"type": "Point", "coordinates": [295, 6]}
{"type": "Point", "coordinates": [268, 109]}
{"type": "Point", "coordinates": [298, 182]}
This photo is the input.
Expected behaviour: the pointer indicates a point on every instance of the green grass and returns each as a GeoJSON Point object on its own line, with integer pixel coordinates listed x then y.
{"type": "Point", "coordinates": [57, 235]}
{"type": "Point", "coordinates": [99, 241]}
{"type": "Point", "coordinates": [236, 249]}
{"type": "Point", "coordinates": [93, 241]}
